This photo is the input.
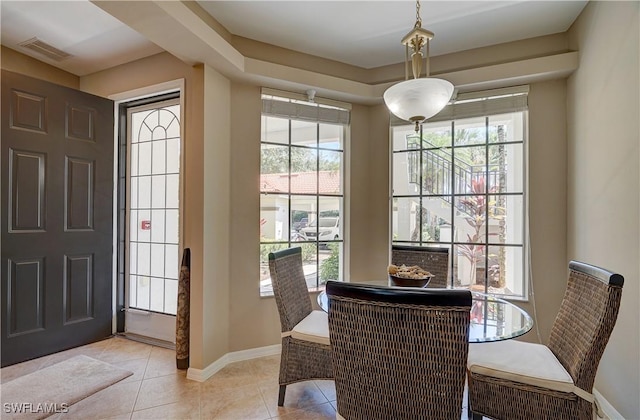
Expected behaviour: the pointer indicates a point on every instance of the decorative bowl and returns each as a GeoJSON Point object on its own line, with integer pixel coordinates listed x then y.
{"type": "Point", "coordinates": [409, 282]}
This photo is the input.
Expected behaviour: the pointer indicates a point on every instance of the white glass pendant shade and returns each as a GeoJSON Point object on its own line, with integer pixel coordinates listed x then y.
{"type": "Point", "coordinates": [416, 100]}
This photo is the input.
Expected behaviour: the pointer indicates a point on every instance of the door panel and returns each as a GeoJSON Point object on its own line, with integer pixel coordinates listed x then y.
{"type": "Point", "coordinates": [78, 282]}
{"type": "Point", "coordinates": [25, 293]}
{"type": "Point", "coordinates": [26, 191]}
{"type": "Point", "coordinates": [57, 238]}
{"type": "Point", "coordinates": [79, 191]}
{"type": "Point", "coordinates": [28, 111]}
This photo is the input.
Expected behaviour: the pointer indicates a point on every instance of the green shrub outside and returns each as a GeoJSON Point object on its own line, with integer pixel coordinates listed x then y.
{"type": "Point", "coordinates": [330, 267]}
{"type": "Point", "coordinates": [308, 250]}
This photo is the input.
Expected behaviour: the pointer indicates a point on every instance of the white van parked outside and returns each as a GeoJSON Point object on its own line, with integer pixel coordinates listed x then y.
{"type": "Point", "coordinates": [327, 230]}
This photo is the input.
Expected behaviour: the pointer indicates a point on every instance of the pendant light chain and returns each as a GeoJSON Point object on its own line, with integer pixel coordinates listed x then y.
{"type": "Point", "coordinates": [418, 18]}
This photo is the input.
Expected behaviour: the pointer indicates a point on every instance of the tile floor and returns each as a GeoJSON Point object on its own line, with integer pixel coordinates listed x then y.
{"type": "Point", "coordinates": [157, 390]}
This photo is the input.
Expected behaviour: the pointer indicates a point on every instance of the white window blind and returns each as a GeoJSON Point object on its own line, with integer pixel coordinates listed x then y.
{"type": "Point", "coordinates": [297, 107]}
{"type": "Point", "coordinates": [478, 104]}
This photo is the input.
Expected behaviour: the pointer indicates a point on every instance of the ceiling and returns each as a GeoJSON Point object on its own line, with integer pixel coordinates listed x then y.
{"type": "Point", "coordinates": [362, 33]}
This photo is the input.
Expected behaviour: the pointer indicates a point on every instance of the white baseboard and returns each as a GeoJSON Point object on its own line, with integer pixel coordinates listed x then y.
{"type": "Point", "coordinates": [238, 356]}
{"type": "Point", "coordinates": [201, 375]}
{"type": "Point", "coordinates": [609, 411]}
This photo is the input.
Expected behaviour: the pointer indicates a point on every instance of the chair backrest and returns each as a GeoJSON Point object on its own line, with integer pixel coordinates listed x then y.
{"type": "Point", "coordinates": [398, 353]}
{"type": "Point", "coordinates": [586, 318]}
{"type": "Point", "coordinates": [433, 259]}
{"type": "Point", "coordinates": [289, 286]}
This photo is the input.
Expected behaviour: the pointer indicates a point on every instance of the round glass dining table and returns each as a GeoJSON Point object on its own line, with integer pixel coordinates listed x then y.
{"type": "Point", "coordinates": [492, 318]}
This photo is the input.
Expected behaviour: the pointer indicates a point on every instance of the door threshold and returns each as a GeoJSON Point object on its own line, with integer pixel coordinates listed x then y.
{"type": "Point", "coordinates": [148, 340]}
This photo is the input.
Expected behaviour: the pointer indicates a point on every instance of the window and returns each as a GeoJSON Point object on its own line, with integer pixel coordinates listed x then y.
{"type": "Point", "coordinates": [153, 204]}
{"type": "Point", "coordinates": [302, 186]}
{"type": "Point", "coordinates": [459, 183]}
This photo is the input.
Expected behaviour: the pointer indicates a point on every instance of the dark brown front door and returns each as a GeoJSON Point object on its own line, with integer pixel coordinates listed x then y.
{"type": "Point", "coordinates": [57, 206]}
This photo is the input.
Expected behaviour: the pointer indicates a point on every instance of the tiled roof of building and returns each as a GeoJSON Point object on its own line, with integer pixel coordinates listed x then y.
{"type": "Point", "coordinates": [302, 182]}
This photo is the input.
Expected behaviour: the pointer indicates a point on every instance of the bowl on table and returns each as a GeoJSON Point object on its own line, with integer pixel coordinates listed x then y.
{"type": "Point", "coordinates": [409, 282]}
{"type": "Point", "coordinates": [412, 276]}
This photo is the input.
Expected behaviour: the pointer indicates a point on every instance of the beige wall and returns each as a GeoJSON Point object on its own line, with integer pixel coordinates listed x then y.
{"type": "Point", "coordinates": [16, 62]}
{"type": "Point", "coordinates": [604, 179]}
{"type": "Point", "coordinates": [369, 194]}
{"type": "Point", "coordinates": [358, 235]}
{"type": "Point", "coordinates": [547, 204]}
{"type": "Point", "coordinates": [254, 321]}
{"type": "Point", "coordinates": [193, 208]}
{"type": "Point", "coordinates": [216, 218]}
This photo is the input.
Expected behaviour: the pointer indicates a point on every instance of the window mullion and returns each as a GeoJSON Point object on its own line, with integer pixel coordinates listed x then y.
{"type": "Point", "coordinates": [421, 186]}
{"type": "Point", "coordinates": [289, 183]}
{"type": "Point", "coordinates": [318, 205]}
{"type": "Point", "coordinates": [486, 206]}
{"type": "Point", "coordinates": [452, 199]}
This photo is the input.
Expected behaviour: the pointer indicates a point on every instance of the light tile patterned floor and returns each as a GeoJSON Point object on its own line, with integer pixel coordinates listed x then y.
{"type": "Point", "coordinates": [157, 390]}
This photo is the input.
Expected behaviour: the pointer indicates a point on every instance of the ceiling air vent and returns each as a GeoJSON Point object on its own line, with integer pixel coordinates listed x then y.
{"type": "Point", "coordinates": [41, 47]}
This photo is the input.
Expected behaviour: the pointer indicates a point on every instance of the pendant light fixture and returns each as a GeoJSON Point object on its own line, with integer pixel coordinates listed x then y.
{"type": "Point", "coordinates": [419, 98]}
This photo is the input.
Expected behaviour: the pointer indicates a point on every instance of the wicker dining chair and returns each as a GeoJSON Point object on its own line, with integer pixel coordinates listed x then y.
{"type": "Point", "coordinates": [518, 380]}
{"type": "Point", "coordinates": [433, 259]}
{"type": "Point", "coordinates": [398, 353]}
{"type": "Point", "coordinates": [306, 353]}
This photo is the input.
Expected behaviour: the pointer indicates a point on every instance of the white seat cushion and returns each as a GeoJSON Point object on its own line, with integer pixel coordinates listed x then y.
{"type": "Point", "coordinates": [314, 327]}
{"type": "Point", "coordinates": [527, 363]}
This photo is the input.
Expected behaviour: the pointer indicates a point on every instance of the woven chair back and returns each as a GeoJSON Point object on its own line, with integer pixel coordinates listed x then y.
{"type": "Point", "coordinates": [396, 357]}
{"type": "Point", "coordinates": [586, 318]}
{"type": "Point", "coordinates": [433, 259]}
{"type": "Point", "coordinates": [289, 287]}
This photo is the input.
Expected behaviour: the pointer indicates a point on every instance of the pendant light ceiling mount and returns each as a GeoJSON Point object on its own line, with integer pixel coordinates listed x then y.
{"type": "Point", "coordinates": [420, 98]}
